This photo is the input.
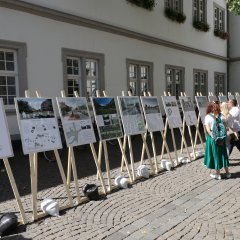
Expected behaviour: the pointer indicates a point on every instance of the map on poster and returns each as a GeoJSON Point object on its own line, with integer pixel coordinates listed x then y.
{"type": "Point", "coordinates": [76, 121]}
{"type": "Point", "coordinates": [202, 104]}
{"type": "Point", "coordinates": [222, 99]}
{"type": "Point", "coordinates": [212, 98]}
{"type": "Point", "coordinates": [152, 114]}
{"type": "Point", "coordinates": [107, 118]}
{"type": "Point", "coordinates": [5, 142]}
{"type": "Point", "coordinates": [230, 97]}
{"type": "Point", "coordinates": [172, 111]}
{"type": "Point", "coordinates": [188, 110]}
{"type": "Point", "coordinates": [38, 124]}
{"type": "Point", "coordinates": [132, 116]}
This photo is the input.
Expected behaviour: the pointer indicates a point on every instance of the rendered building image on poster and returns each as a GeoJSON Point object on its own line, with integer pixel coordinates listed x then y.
{"type": "Point", "coordinates": [5, 142]}
{"type": "Point", "coordinates": [76, 120]}
{"type": "Point", "coordinates": [152, 114]}
{"type": "Point", "coordinates": [188, 110]}
{"type": "Point", "coordinates": [132, 116]}
{"type": "Point", "coordinates": [172, 111]}
{"type": "Point", "coordinates": [202, 104]}
{"type": "Point", "coordinates": [38, 124]}
{"type": "Point", "coordinates": [107, 118]}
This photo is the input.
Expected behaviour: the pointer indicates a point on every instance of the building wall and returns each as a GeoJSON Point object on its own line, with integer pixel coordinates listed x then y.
{"type": "Point", "coordinates": [45, 39]}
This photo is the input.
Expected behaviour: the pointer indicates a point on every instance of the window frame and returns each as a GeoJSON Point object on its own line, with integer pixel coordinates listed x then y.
{"type": "Point", "coordinates": [224, 82]}
{"type": "Point", "coordinates": [20, 49]}
{"type": "Point", "coordinates": [223, 16]}
{"type": "Point", "coordinates": [200, 71]}
{"type": "Point", "coordinates": [174, 68]}
{"type": "Point", "coordinates": [171, 4]}
{"type": "Point", "coordinates": [198, 11]}
{"type": "Point", "coordinates": [140, 63]}
{"type": "Point", "coordinates": [83, 56]}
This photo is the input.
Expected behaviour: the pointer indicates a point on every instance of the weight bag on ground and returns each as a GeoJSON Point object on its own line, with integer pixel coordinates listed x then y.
{"type": "Point", "coordinates": [91, 191]}
{"type": "Point", "coordinates": [8, 222]}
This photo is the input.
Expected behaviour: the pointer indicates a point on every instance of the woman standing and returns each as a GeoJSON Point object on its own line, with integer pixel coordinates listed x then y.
{"type": "Point", "coordinates": [216, 156]}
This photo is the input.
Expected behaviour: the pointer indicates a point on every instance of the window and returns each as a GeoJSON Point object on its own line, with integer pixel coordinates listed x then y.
{"type": "Point", "coordinates": [219, 18]}
{"type": "Point", "coordinates": [199, 10]}
{"type": "Point", "coordinates": [13, 80]}
{"type": "Point", "coordinates": [200, 82]}
{"type": "Point", "coordinates": [174, 80]}
{"type": "Point", "coordinates": [139, 77]}
{"type": "Point", "coordinates": [219, 83]}
{"type": "Point", "coordinates": [83, 72]}
{"type": "Point", "coordinates": [176, 5]}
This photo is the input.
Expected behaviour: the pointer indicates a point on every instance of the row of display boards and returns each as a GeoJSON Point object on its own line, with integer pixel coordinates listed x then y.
{"type": "Point", "coordinates": [39, 132]}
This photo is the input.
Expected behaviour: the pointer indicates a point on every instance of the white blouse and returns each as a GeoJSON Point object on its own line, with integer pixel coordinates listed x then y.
{"type": "Point", "coordinates": [209, 120]}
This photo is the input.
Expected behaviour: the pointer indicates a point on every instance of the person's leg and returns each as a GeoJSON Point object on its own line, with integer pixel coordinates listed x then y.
{"type": "Point", "coordinates": [230, 146]}
{"type": "Point", "coordinates": [237, 144]}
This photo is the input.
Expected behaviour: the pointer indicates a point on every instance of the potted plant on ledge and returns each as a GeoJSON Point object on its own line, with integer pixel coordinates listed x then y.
{"type": "Point", "coordinates": [174, 15]}
{"type": "Point", "coordinates": [220, 33]}
{"type": "Point", "coordinates": [201, 26]}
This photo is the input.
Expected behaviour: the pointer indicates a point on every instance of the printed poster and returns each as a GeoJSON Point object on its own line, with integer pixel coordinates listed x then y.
{"type": "Point", "coordinates": [107, 119]}
{"type": "Point", "coordinates": [230, 97]}
{"type": "Point", "coordinates": [5, 141]}
{"type": "Point", "coordinates": [212, 98]}
{"type": "Point", "coordinates": [38, 124]}
{"type": "Point", "coordinates": [132, 116]}
{"type": "Point", "coordinates": [222, 99]}
{"type": "Point", "coordinates": [76, 121]}
{"type": "Point", "coordinates": [202, 104]}
{"type": "Point", "coordinates": [238, 99]}
{"type": "Point", "coordinates": [172, 111]}
{"type": "Point", "coordinates": [188, 110]}
{"type": "Point", "coordinates": [152, 114]}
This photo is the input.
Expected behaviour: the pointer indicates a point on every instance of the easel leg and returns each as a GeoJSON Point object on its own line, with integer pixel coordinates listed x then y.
{"type": "Point", "coordinates": [148, 153]}
{"type": "Point", "coordinates": [167, 148]}
{"type": "Point", "coordinates": [174, 145]}
{"type": "Point", "coordinates": [154, 152]}
{"type": "Point", "coordinates": [184, 125]}
{"type": "Point", "coordinates": [131, 157]}
{"type": "Point", "coordinates": [124, 148]}
{"type": "Point", "coordinates": [191, 139]}
{"type": "Point", "coordinates": [69, 169]}
{"type": "Point", "coordinates": [107, 165]}
{"type": "Point", "coordinates": [185, 143]}
{"type": "Point", "coordinates": [99, 156]}
{"type": "Point", "coordinates": [143, 149]}
{"type": "Point", "coordinates": [15, 190]}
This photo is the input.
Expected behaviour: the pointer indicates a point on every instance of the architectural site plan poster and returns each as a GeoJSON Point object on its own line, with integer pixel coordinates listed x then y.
{"type": "Point", "coordinates": [76, 121]}
{"type": "Point", "coordinates": [212, 98]}
{"type": "Point", "coordinates": [38, 124]}
{"type": "Point", "coordinates": [132, 116]}
{"type": "Point", "coordinates": [188, 110]}
{"type": "Point", "coordinates": [230, 97]}
{"type": "Point", "coordinates": [107, 118]}
{"type": "Point", "coordinates": [5, 142]}
{"type": "Point", "coordinates": [202, 104]}
{"type": "Point", "coordinates": [152, 114]}
{"type": "Point", "coordinates": [172, 111]}
{"type": "Point", "coordinates": [223, 99]}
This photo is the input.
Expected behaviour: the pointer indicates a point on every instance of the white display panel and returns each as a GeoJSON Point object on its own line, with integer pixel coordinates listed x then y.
{"type": "Point", "coordinates": [212, 98]}
{"type": "Point", "coordinates": [132, 115]}
{"type": "Point", "coordinates": [202, 104]}
{"type": "Point", "coordinates": [152, 113]}
{"type": "Point", "coordinates": [38, 124]}
{"type": "Point", "coordinates": [172, 111]}
{"type": "Point", "coordinates": [5, 141]}
{"type": "Point", "coordinates": [188, 110]}
{"type": "Point", "coordinates": [223, 99]}
{"type": "Point", "coordinates": [76, 121]}
{"type": "Point", "coordinates": [107, 119]}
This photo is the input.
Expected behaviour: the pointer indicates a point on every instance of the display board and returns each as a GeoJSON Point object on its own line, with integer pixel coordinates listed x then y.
{"type": "Point", "coordinates": [76, 121]}
{"type": "Point", "coordinates": [230, 97]}
{"type": "Point", "coordinates": [188, 110]}
{"type": "Point", "coordinates": [222, 99]}
{"type": "Point", "coordinates": [132, 115]}
{"type": "Point", "coordinates": [107, 119]}
{"type": "Point", "coordinates": [5, 142]}
{"type": "Point", "coordinates": [38, 124]}
{"type": "Point", "coordinates": [212, 98]}
{"type": "Point", "coordinates": [238, 99]}
{"type": "Point", "coordinates": [172, 111]}
{"type": "Point", "coordinates": [152, 113]}
{"type": "Point", "coordinates": [202, 104]}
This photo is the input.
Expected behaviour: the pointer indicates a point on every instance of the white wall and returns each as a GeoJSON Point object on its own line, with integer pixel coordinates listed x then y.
{"type": "Point", "coordinates": [45, 38]}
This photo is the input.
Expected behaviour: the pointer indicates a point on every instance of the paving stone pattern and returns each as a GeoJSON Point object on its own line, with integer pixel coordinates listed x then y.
{"type": "Point", "coordinates": [180, 204]}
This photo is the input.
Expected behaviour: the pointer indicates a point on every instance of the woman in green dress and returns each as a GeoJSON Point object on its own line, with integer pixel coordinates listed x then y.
{"type": "Point", "coordinates": [216, 156]}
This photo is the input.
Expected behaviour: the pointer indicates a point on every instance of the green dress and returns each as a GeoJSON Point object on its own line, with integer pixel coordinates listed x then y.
{"type": "Point", "coordinates": [216, 156]}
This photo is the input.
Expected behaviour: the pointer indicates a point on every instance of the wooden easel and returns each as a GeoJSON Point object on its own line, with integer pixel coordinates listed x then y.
{"type": "Point", "coordinates": [72, 165]}
{"type": "Point", "coordinates": [153, 145]}
{"type": "Point", "coordinates": [173, 138]}
{"type": "Point", "coordinates": [237, 98]}
{"type": "Point", "coordinates": [103, 146]}
{"type": "Point", "coordinates": [127, 138]}
{"type": "Point", "coordinates": [190, 134]}
{"type": "Point", "coordinates": [4, 156]}
{"type": "Point", "coordinates": [33, 159]}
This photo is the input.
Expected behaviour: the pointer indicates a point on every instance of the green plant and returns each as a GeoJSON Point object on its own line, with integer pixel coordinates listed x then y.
{"type": "Point", "coordinates": [221, 34]}
{"type": "Point", "coordinates": [174, 15]}
{"type": "Point", "coordinates": [147, 4]}
{"type": "Point", "coordinates": [202, 26]}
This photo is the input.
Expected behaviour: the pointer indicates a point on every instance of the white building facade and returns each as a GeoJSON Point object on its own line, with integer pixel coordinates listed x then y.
{"type": "Point", "coordinates": [84, 45]}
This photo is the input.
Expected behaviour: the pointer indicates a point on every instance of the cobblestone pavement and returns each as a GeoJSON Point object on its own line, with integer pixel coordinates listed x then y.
{"type": "Point", "coordinates": [180, 204]}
